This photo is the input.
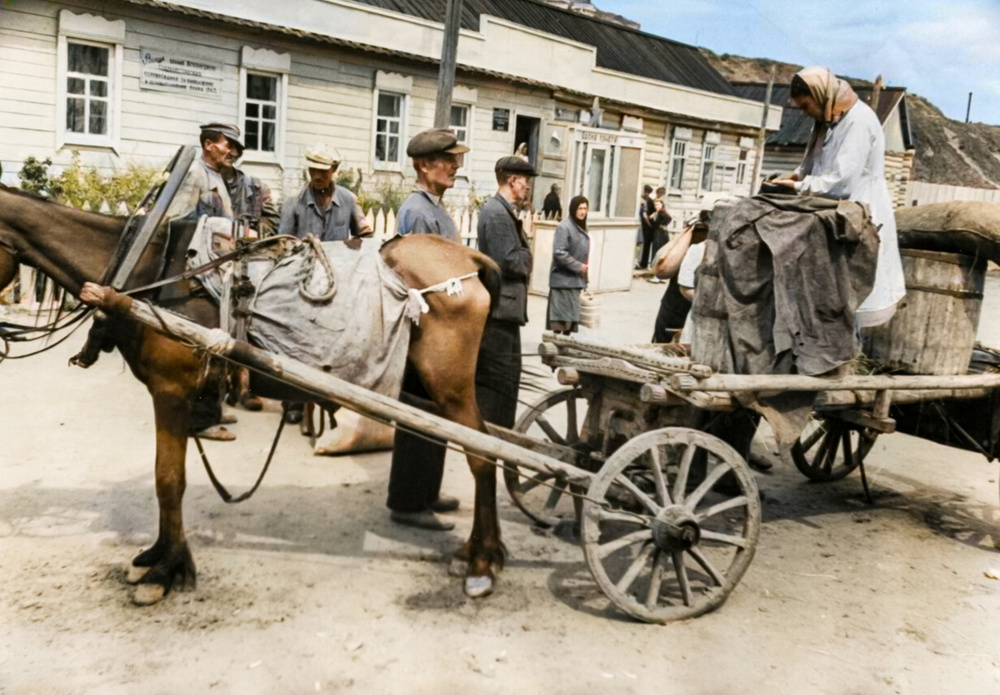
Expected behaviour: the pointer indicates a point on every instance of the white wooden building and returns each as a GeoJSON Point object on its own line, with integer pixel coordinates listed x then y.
{"type": "Point", "coordinates": [123, 81]}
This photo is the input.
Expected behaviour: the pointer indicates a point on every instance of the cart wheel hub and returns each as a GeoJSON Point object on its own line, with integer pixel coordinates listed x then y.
{"type": "Point", "coordinates": [675, 528]}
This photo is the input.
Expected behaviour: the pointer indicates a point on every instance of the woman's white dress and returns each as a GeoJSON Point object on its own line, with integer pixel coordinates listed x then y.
{"type": "Point", "coordinates": [851, 166]}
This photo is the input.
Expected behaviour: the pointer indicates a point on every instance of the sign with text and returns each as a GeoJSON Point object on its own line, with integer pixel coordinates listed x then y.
{"type": "Point", "coordinates": [168, 72]}
{"type": "Point", "coordinates": [501, 119]}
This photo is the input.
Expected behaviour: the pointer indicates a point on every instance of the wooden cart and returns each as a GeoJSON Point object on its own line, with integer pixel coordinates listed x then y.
{"type": "Point", "coordinates": [669, 514]}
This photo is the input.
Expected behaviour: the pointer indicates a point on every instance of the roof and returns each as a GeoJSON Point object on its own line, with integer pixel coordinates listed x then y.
{"type": "Point", "coordinates": [796, 126]}
{"type": "Point", "coordinates": [618, 47]}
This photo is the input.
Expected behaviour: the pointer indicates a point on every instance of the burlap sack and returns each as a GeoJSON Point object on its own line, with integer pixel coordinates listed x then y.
{"type": "Point", "coordinates": [958, 226]}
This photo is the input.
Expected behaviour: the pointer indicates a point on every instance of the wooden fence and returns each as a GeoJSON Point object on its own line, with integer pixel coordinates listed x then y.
{"type": "Point", "coordinates": [921, 193]}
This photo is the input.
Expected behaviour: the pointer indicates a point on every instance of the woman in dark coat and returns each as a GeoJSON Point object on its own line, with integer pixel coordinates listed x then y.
{"type": "Point", "coordinates": [568, 276]}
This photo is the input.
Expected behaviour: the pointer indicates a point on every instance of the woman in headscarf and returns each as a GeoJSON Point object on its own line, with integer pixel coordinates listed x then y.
{"type": "Point", "coordinates": [568, 276]}
{"type": "Point", "coordinates": [845, 160]}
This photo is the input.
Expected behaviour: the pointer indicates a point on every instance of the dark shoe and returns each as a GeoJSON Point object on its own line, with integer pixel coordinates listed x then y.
{"type": "Point", "coordinates": [293, 413]}
{"type": "Point", "coordinates": [426, 520]}
{"type": "Point", "coordinates": [217, 433]}
{"type": "Point", "coordinates": [444, 504]}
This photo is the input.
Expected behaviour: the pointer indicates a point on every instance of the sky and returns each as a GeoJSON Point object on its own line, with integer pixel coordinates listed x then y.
{"type": "Point", "coordinates": [941, 50]}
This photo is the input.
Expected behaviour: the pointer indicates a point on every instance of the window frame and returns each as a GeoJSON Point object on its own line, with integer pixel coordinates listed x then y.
{"type": "Point", "coordinates": [269, 64]}
{"type": "Point", "coordinates": [470, 114]}
{"type": "Point", "coordinates": [258, 155]}
{"type": "Point", "coordinates": [404, 110]}
{"type": "Point", "coordinates": [705, 161]}
{"type": "Point", "coordinates": [742, 159]}
{"type": "Point", "coordinates": [65, 137]}
{"type": "Point", "coordinates": [674, 158]}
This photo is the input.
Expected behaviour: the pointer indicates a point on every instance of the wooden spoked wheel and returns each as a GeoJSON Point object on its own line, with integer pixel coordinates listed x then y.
{"type": "Point", "coordinates": [559, 418]}
{"type": "Point", "coordinates": [830, 448]}
{"type": "Point", "coordinates": [671, 524]}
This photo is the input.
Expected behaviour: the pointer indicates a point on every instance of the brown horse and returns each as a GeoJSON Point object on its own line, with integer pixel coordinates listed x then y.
{"type": "Point", "coordinates": [74, 247]}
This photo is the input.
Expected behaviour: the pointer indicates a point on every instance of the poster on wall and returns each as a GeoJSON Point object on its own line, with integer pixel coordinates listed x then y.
{"type": "Point", "coordinates": [169, 72]}
{"type": "Point", "coordinates": [501, 119]}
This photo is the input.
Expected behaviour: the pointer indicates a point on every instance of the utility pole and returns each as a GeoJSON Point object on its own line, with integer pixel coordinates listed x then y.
{"type": "Point", "coordinates": [446, 71]}
{"type": "Point", "coordinates": [968, 108]}
{"type": "Point", "coordinates": [762, 135]}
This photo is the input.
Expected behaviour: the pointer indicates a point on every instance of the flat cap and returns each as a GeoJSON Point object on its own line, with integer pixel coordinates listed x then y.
{"type": "Point", "coordinates": [515, 165]}
{"type": "Point", "coordinates": [232, 132]}
{"type": "Point", "coordinates": [434, 141]}
{"type": "Point", "coordinates": [319, 156]}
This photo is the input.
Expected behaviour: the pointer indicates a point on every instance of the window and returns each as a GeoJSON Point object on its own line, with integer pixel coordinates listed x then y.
{"type": "Point", "coordinates": [460, 122]}
{"type": "Point", "coordinates": [388, 127]}
{"type": "Point", "coordinates": [260, 112]}
{"type": "Point", "coordinates": [89, 68]}
{"type": "Point", "coordinates": [741, 166]}
{"type": "Point", "coordinates": [708, 166]}
{"type": "Point", "coordinates": [262, 108]}
{"type": "Point", "coordinates": [88, 82]}
{"type": "Point", "coordinates": [678, 160]}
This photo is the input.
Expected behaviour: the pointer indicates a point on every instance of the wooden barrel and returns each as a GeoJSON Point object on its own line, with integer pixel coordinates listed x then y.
{"type": "Point", "coordinates": [934, 328]}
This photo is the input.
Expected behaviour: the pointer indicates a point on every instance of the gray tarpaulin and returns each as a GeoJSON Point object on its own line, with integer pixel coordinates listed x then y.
{"type": "Point", "coordinates": [360, 335]}
{"type": "Point", "coordinates": [777, 291]}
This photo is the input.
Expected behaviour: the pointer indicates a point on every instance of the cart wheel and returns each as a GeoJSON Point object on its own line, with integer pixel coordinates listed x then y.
{"type": "Point", "coordinates": [830, 449]}
{"type": "Point", "coordinates": [671, 524]}
{"type": "Point", "coordinates": [557, 418]}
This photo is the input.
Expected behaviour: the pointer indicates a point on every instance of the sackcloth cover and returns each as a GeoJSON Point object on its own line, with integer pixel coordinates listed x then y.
{"type": "Point", "coordinates": [958, 226]}
{"type": "Point", "coordinates": [360, 335]}
{"type": "Point", "coordinates": [777, 293]}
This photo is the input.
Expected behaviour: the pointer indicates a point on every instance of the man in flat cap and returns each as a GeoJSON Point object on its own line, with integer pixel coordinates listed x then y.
{"type": "Point", "coordinates": [322, 208]}
{"type": "Point", "coordinates": [203, 192]}
{"type": "Point", "coordinates": [498, 369]}
{"type": "Point", "coordinates": [437, 157]}
{"type": "Point", "coordinates": [418, 463]}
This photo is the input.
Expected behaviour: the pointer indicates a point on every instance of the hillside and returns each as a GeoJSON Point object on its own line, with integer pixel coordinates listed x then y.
{"type": "Point", "coordinates": [947, 151]}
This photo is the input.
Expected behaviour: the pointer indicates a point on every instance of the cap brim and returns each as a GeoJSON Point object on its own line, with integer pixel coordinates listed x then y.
{"type": "Point", "coordinates": [310, 164]}
{"type": "Point", "coordinates": [235, 141]}
{"type": "Point", "coordinates": [457, 149]}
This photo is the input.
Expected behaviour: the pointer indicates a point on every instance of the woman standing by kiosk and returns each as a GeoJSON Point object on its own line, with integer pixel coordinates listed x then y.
{"type": "Point", "coordinates": [568, 276]}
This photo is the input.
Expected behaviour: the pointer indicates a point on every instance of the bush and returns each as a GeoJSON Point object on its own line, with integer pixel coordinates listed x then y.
{"type": "Point", "coordinates": [34, 176]}
{"type": "Point", "coordinates": [388, 194]}
{"type": "Point", "coordinates": [78, 185]}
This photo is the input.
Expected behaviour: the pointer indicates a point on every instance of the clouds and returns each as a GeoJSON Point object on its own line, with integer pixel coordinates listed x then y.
{"type": "Point", "coordinates": [941, 50]}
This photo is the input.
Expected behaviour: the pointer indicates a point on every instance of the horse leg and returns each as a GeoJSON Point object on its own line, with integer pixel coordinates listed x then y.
{"type": "Point", "coordinates": [169, 560]}
{"type": "Point", "coordinates": [449, 377]}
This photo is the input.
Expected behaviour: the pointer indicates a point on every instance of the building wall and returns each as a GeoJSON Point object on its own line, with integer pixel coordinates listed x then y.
{"type": "Point", "coordinates": [330, 98]}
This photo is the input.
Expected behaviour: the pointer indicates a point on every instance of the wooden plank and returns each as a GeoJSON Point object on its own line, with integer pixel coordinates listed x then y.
{"type": "Point", "coordinates": [796, 382]}
{"type": "Point", "coordinates": [356, 398]}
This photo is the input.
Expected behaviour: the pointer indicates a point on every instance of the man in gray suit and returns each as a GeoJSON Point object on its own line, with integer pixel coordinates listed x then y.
{"type": "Point", "coordinates": [498, 370]}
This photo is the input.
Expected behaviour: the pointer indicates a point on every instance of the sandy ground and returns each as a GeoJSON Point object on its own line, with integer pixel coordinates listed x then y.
{"type": "Point", "coordinates": [309, 588]}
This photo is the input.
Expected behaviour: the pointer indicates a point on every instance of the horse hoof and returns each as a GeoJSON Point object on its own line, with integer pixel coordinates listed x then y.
{"type": "Point", "coordinates": [478, 587]}
{"type": "Point", "coordinates": [135, 574]}
{"type": "Point", "coordinates": [148, 594]}
{"type": "Point", "coordinates": [458, 567]}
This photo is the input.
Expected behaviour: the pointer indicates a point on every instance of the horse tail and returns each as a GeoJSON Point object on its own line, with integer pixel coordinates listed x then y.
{"type": "Point", "coordinates": [489, 275]}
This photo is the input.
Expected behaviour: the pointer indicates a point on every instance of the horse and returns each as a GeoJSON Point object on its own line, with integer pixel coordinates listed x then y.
{"type": "Point", "coordinates": [74, 247]}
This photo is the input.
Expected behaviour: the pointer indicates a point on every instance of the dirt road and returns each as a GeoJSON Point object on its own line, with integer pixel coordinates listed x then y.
{"type": "Point", "coordinates": [309, 588]}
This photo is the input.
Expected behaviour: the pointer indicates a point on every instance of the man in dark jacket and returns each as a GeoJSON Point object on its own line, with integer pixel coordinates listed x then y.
{"type": "Point", "coordinates": [498, 370]}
